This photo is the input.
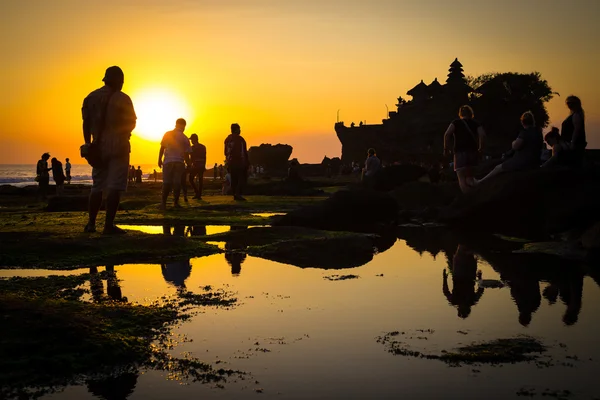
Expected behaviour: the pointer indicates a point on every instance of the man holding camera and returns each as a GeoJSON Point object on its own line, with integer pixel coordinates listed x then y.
{"type": "Point", "coordinates": [108, 119]}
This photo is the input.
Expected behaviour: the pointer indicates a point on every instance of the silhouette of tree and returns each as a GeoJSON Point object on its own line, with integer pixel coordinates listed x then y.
{"type": "Point", "coordinates": [503, 97]}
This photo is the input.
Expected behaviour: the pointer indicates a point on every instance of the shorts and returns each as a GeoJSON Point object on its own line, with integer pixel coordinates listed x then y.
{"type": "Point", "coordinates": [197, 171]}
{"type": "Point", "coordinates": [173, 173]}
{"type": "Point", "coordinates": [112, 176]}
{"type": "Point", "coordinates": [465, 159]}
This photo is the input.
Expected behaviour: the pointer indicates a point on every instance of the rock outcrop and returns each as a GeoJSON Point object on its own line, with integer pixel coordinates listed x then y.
{"type": "Point", "coordinates": [529, 204]}
{"type": "Point", "coordinates": [354, 210]}
{"type": "Point", "coordinates": [272, 158]}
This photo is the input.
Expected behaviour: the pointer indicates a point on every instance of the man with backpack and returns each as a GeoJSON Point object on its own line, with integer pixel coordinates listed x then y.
{"type": "Point", "coordinates": [236, 155]}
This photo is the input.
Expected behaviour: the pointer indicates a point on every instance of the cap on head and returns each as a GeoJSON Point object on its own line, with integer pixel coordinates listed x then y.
{"type": "Point", "coordinates": [113, 75]}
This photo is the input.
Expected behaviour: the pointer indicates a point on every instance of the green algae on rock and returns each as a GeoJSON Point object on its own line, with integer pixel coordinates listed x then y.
{"type": "Point", "coordinates": [499, 351]}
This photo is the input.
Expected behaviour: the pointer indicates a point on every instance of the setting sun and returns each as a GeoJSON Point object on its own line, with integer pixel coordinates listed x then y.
{"type": "Point", "coordinates": [157, 111]}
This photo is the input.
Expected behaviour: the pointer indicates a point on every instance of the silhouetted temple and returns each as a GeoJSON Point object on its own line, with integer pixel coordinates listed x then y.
{"type": "Point", "coordinates": [415, 128]}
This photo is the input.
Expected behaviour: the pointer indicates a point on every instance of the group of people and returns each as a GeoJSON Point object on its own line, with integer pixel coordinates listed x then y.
{"type": "Point", "coordinates": [135, 175]}
{"type": "Point", "coordinates": [178, 159]}
{"type": "Point", "coordinates": [108, 120]}
{"type": "Point", "coordinates": [568, 145]}
{"type": "Point", "coordinates": [59, 175]}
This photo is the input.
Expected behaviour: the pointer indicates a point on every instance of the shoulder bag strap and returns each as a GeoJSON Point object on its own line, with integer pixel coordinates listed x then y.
{"type": "Point", "coordinates": [473, 136]}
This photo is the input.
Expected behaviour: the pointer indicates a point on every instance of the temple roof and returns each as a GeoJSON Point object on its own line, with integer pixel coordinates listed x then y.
{"type": "Point", "coordinates": [435, 84]}
{"type": "Point", "coordinates": [420, 88]}
{"type": "Point", "coordinates": [456, 63]}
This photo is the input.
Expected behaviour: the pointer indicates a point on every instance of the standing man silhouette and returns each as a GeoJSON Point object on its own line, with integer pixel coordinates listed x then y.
{"type": "Point", "coordinates": [108, 119]}
{"type": "Point", "coordinates": [198, 161]}
{"type": "Point", "coordinates": [236, 155]}
{"type": "Point", "coordinates": [176, 149]}
{"type": "Point", "coordinates": [68, 171]}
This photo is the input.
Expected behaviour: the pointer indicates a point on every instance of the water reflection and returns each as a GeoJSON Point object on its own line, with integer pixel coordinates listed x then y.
{"type": "Point", "coordinates": [523, 273]}
{"type": "Point", "coordinates": [235, 253]}
{"type": "Point", "coordinates": [397, 289]}
{"type": "Point", "coordinates": [464, 269]}
{"type": "Point", "coordinates": [114, 387]}
{"type": "Point", "coordinates": [176, 272]}
{"type": "Point", "coordinates": [113, 289]}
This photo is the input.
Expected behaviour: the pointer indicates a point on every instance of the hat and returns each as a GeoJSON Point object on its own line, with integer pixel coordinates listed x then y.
{"type": "Point", "coordinates": [114, 74]}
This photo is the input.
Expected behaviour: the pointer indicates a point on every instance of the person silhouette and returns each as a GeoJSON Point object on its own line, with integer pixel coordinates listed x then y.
{"type": "Point", "coordinates": [111, 130]}
{"type": "Point", "coordinates": [198, 166]}
{"type": "Point", "coordinates": [58, 175]}
{"type": "Point", "coordinates": [138, 174]}
{"type": "Point", "coordinates": [43, 176]}
{"type": "Point", "coordinates": [176, 149]}
{"type": "Point", "coordinates": [525, 291]}
{"type": "Point", "coordinates": [68, 171]}
{"type": "Point", "coordinates": [464, 271]}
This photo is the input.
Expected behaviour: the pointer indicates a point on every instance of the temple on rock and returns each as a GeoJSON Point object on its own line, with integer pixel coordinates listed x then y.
{"type": "Point", "coordinates": [415, 130]}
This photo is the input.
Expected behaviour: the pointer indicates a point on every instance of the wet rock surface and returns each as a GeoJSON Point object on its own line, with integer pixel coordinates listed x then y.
{"type": "Point", "coordinates": [529, 204]}
{"type": "Point", "coordinates": [359, 209]}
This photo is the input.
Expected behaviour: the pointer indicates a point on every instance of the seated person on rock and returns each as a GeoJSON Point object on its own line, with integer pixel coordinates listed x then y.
{"type": "Point", "coordinates": [561, 150]}
{"type": "Point", "coordinates": [527, 149]}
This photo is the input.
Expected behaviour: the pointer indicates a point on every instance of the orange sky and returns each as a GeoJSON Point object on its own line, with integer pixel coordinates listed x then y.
{"type": "Point", "coordinates": [281, 69]}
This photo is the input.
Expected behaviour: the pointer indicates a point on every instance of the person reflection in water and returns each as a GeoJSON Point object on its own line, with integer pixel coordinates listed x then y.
{"type": "Point", "coordinates": [570, 291]}
{"type": "Point", "coordinates": [113, 289]}
{"type": "Point", "coordinates": [198, 230]}
{"type": "Point", "coordinates": [115, 387]}
{"type": "Point", "coordinates": [464, 270]}
{"type": "Point", "coordinates": [234, 253]}
{"type": "Point", "coordinates": [525, 291]}
{"type": "Point", "coordinates": [176, 272]}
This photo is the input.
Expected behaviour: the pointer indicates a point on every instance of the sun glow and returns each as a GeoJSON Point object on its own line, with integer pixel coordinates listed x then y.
{"type": "Point", "coordinates": [157, 110]}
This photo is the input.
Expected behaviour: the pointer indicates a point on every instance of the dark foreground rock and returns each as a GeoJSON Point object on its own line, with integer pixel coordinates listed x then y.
{"type": "Point", "coordinates": [397, 175]}
{"type": "Point", "coordinates": [422, 195]}
{"type": "Point", "coordinates": [529, 204]}
{"type": "Point", "coordinates": [353, 210]}
{"type": "Point", "coordinates": [284, 188]}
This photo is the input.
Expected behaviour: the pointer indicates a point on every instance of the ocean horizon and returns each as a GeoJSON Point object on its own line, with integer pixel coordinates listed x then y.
{"type": "Point", "coordinates": [24, 174]}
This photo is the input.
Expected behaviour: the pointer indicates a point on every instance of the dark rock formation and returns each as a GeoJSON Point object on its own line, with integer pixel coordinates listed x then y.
{"type": "Point", "coordinates": [358, 210]}
{"type": "Point", "coordinates": [422, 195]}
{"type": "Point", "coordinates": [284, 188]}
{"type": "Point", "coordinates": [397, 175]}
{"type": "Point", "coordinates": [529, 204]}
{"type": "Point", "coordinates": [591, 237]}
{"type": "Point", "coordinates": [272, 158]}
